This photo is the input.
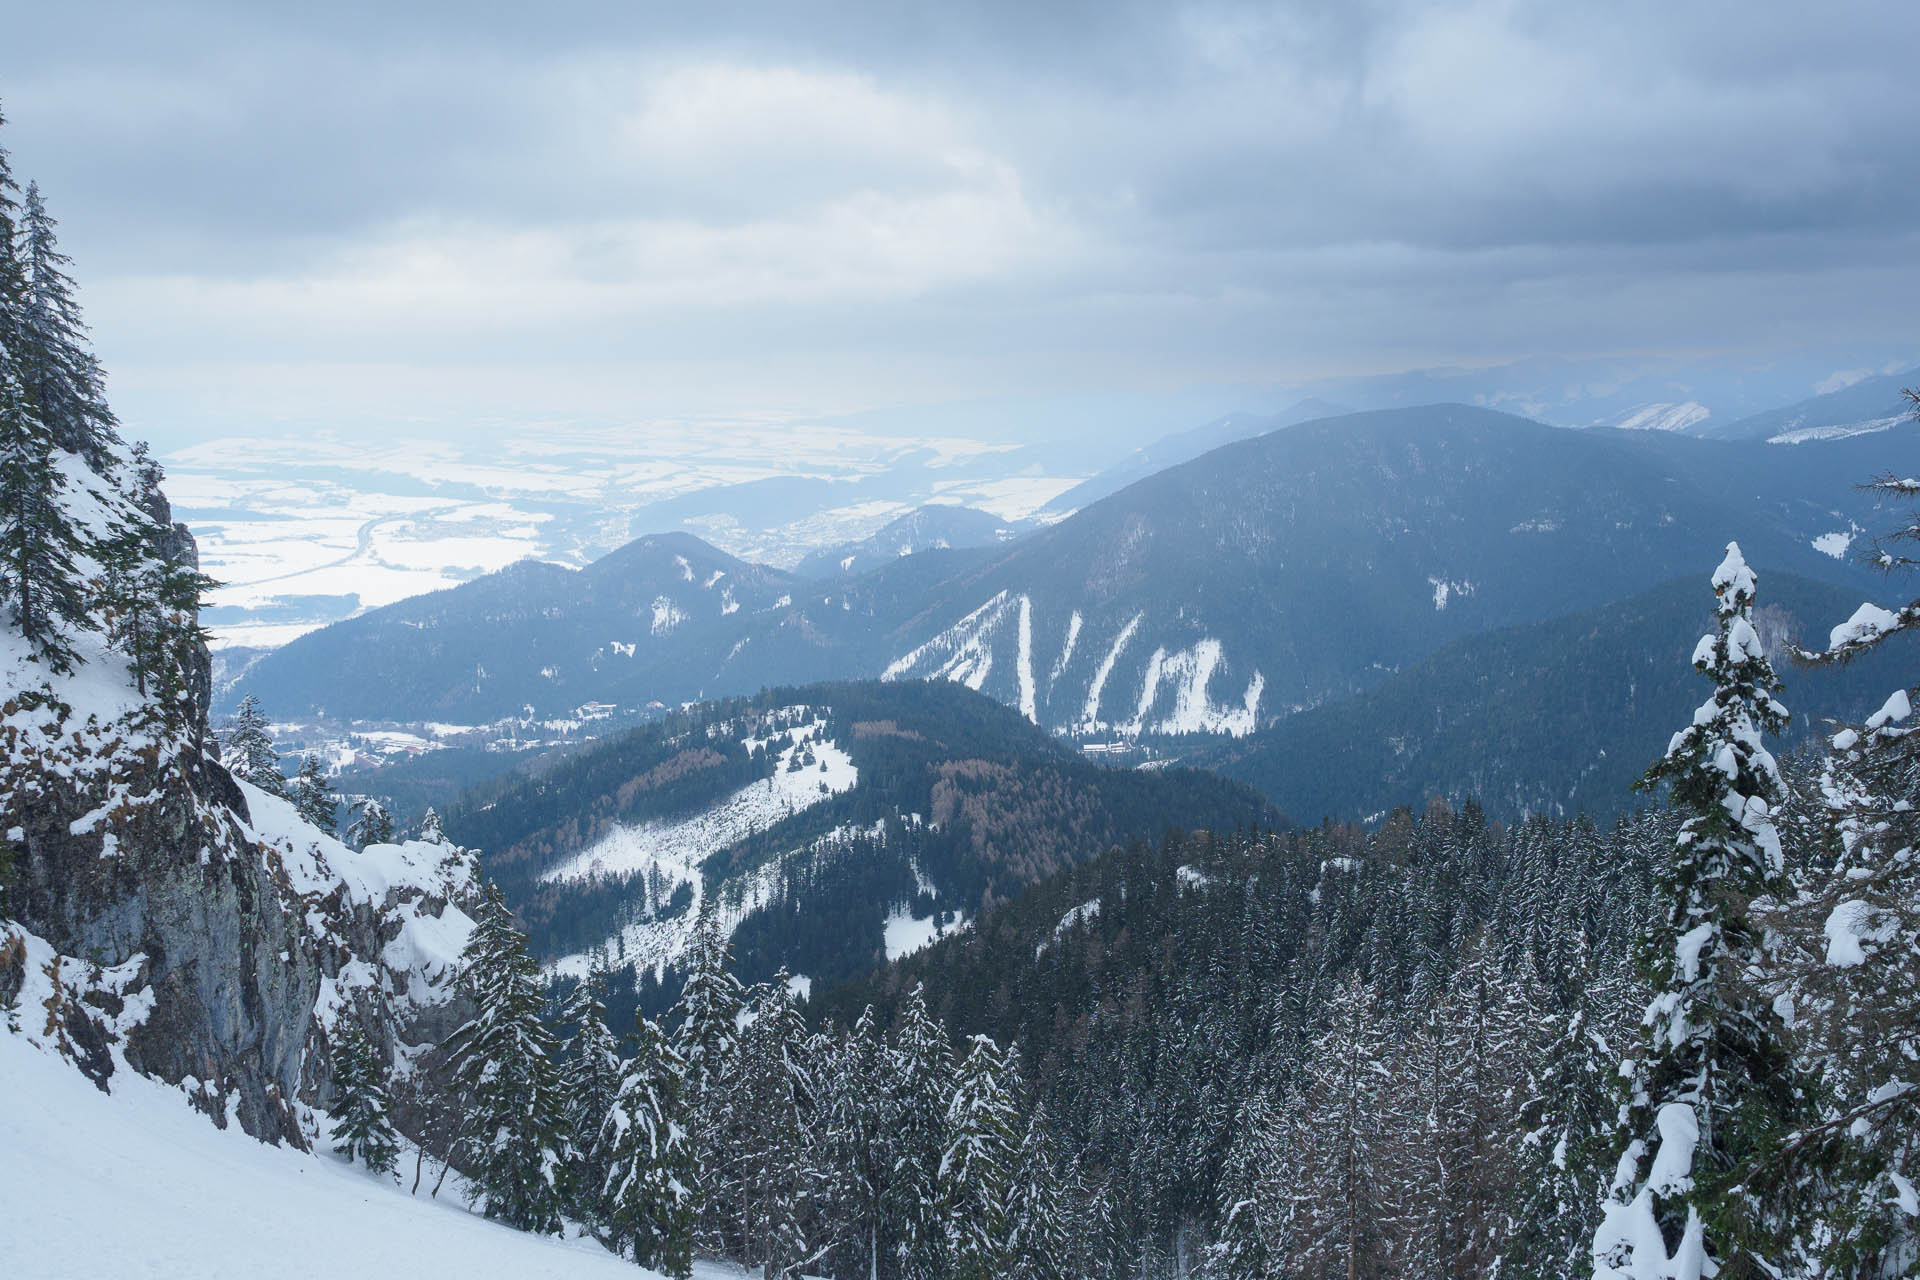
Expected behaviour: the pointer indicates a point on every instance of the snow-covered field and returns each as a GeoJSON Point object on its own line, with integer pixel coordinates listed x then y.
{"type": "Point", "coordinates": [304, 531]}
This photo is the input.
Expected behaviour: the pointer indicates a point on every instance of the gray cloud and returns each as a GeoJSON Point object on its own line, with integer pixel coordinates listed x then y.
{"type": "Point", "coordinates": [346, 211]}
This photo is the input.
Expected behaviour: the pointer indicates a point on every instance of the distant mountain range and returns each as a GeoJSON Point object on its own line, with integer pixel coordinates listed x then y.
{"type": "Point", "coordinates": [1261, 579]}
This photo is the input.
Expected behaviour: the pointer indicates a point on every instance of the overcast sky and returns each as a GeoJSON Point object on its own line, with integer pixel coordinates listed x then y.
{"type": "Point", "coordinates": [336, 215]}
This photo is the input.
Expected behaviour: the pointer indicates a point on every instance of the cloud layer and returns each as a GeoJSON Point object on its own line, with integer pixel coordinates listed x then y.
{"type": "Point", "coordinates": [467, 214]}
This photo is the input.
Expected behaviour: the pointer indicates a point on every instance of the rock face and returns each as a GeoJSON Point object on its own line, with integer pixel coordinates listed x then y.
{"type": "Point", "coordinates": [170, 881]}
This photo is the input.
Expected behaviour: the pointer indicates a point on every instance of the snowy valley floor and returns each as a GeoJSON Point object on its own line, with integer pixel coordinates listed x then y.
{"type": "Point", "coordinates": [137, 1186]}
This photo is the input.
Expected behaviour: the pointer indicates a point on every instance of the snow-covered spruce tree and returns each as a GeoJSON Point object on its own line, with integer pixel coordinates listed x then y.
{"type": "Point", "coordinates": [1339, 1202]}
{"type": "Point", "coordinates": [770, 1103]}
{"type": "Point", "coordinates": [39, 578]}
{"type": "Point", "coordinates": [859, 1146]}
{"type": "Point", "coordinates": [248, 750]}
{"type": "Point", "coordinates": [646, 1197]}
{"type": "Point", "coordinates": [977, 1166]}
{"type": "Point", "coordinates": [920, 1084]}
{"type": "Point", "coordinates": [431, 829]}
{"type": "Point", "coordinates": [1569, 1121]}
{"type": "Point", "coordinates": [1037, 1207]}
{"type": "Point", "coordinates": [312, 795]}
{"type": "Point", "coordinates": [502, 1063]}
{"type": "Point", "coordinates": [592, 1075]}
{"type": "Point", "coordinates": [1250, 1240]}
{"type": "Point", "coordinates": [1853, 970]}
{"type": "Point", "coordinates": [62, 376]}
{"type": "Point", "coordinates": [706, 1038]}
{"type": "Point", "coordinates": [1711, 1086]}
{"type": "Point", "coordinates": [362, 1123]}
{"type": "Point", "coordinates": [371, 824]}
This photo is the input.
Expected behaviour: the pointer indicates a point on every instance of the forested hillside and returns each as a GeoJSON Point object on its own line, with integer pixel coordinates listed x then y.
{"type": "Point", "coordinates": [1555, 717]}
{"type": "Point", "coordinates": [830, 826]}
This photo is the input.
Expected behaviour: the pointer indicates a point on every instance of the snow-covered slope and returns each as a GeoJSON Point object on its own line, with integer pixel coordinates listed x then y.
{"type": "Point", "coordinates": [133, 1183]}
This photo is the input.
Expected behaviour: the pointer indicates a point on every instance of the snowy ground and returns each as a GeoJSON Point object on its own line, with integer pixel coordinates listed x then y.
{"type": "Point", "coordinates": [138, 1185]}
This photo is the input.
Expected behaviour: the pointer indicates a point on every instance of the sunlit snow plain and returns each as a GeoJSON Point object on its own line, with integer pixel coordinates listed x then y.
{"type": "Point", "coordinates": [304, 531]}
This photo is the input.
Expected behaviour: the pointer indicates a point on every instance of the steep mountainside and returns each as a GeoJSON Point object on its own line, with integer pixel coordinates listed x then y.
{"type": "Point", "coordinates": [1556, 717]}
{"type": "Point", "coordinates": [830, 827]}
{"type": "Point", "coordinates": [1278, 573]}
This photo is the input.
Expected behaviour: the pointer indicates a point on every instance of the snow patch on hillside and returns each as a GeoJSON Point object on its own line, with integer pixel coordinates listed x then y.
{"type": "Point", "coordinates": [1666, 417]}
{"type": "Point", "coordinates": [963, 653]}
{"type": "Point", "coordinates": [1023, 669]}
{"type": "Point", "coordinates": [906, 935]}
{"type": "Point", "coordinates": [1835, 544]}
{"type": "Point", "coordinates": [1090, 714]}
{"type": "Point", "coordinates": [1837, 431]}
{"type": "Point", "coordinates": [1189, 671]}
{"type": "Point", "coordinates": [666, 616]}
{"type": "Point", "coordinates": [1066, 648]}
{"type": "Point", "coordinates": [1444, 590]}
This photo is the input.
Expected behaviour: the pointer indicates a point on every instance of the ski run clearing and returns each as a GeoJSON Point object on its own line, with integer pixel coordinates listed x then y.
{"type": "Point", "coordinates": [672, 850]}
{"type": "Point", "coordinates": [965, 653]}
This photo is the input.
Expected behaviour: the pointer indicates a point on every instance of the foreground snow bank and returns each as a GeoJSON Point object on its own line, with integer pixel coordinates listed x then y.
{"type": "Point", "coordinates": [136, 1184]}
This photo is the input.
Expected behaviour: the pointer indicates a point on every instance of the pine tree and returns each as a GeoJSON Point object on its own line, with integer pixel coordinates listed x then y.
{"type": "Point", "coordinates": [1712, 1083]}
{"type": "Point", "coordinates": [371, 824]}
{"type": "Point", "coordinates": [63, 378]}
{"type": "Point", "coordinates": [592, 1076]}
{"type": "Point", "coordinates": [1036, 1210]}
{"type": "Point", "coordinates": [431, 829]}
{"type": "Point", "coordinates": [860, 1146]}
{"type": "Point", "coordinates": [1850, 1170]}
{"type": "Point", "coordinates": [503, 1063]}
{"type": "Point", "coordinates": [312, 795]}
{"type": "Point", "coordinates": [362, 1127]}
{"type": "Point", "coordinates": [1569, 1120]}
{"type": "Point", "coordinates": [706, 1039]}
{"type": "Point", "coordinates": [977, 1166]}
{"type": "Point", "coordinates": [769, 1093]}
{"type": "Point", "coordinates": [249, 752]}
{"type": "Point", "coordinates": [646, 1196]}
{"type": "Point", "coordinates": [1335, 1127]}
{"type": "Point", "coordinates": [920, 1085]}
{"type": "Point", "coordinates": [38, 543]}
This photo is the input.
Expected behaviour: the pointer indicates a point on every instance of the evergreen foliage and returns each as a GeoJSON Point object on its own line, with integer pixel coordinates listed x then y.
{"type": "Point", "coordinates": [503, 1064]}
{"type": "Point", "coordinates": [1712, 1081]}
{"type": "Point", "coordinates": [362, 1111]}
{"type": "Point", "coordinates": [39, 546]}
{"type": "Point", "coordinates": [706, 1039]}
{"type": "Point", "coordinates": [248, 750]}
{"type": "Point", "coordinates": [371, 824]}
{"type": "Point", "coordinates": [647, 1195]}
{"type": "Point", "coordinates": [977, 1167]}
{"type": "Point", "coordinates": [312, 795]}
